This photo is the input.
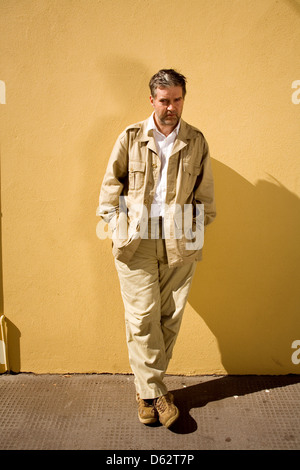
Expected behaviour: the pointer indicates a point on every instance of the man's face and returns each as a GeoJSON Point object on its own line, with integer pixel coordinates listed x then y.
{"type": "Point", "coordinates": [168, 106]}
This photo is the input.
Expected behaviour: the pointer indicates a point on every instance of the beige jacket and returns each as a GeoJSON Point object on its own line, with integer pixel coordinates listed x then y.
{"type": "Point", "coordinates": [132, 173]}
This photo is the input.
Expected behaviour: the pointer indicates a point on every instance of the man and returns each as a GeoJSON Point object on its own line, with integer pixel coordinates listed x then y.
{"type": "Point", "coordinates": [157, 182]}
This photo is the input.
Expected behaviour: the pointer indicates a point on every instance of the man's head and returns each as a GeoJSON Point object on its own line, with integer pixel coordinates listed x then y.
{"type": "Point", "coordinates": [167, 97]}
{"type": "Point", "coordinates": [166, 78]}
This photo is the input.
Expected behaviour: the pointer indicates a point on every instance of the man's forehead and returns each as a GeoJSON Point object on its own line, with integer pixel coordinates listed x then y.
{"type": "Point", "coordinates": [168, 91]}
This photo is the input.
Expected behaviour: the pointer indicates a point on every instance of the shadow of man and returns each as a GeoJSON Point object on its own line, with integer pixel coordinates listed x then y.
{"type": "Point", "coordinates": [246, 289]}
{"type": "Point", "coordinates": [214, 389]}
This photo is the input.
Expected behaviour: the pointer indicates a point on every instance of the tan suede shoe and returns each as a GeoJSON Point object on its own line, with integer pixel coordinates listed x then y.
{"type": "Point", "coordinates": [146, 412]}
{"type": "Point", "coordinates": [168, 413]}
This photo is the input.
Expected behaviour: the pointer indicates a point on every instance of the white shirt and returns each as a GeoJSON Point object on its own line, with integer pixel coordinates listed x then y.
{"type": "Point", "coordinates": [164, 147]}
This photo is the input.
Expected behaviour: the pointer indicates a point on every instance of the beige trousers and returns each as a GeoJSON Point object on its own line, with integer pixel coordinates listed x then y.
{"type": "Point", "coordinates": [154, 297]}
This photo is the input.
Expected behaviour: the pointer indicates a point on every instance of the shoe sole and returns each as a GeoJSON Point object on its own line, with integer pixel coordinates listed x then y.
{"type": "Point", "coordinates": [147, 420]}
{"type": "Point", "coordinates": [171, 421]}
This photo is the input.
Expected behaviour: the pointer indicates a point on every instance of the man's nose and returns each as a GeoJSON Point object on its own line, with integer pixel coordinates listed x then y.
{"type": "Point", "coordinates": [171, 107]}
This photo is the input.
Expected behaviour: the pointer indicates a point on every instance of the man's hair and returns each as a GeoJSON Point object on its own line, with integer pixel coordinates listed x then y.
{"type": "Point", "coordinates": [166, 78]}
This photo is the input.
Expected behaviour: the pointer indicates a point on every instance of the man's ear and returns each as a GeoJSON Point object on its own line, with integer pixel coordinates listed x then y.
{"type": "Point", "coordinates": [151, 99]}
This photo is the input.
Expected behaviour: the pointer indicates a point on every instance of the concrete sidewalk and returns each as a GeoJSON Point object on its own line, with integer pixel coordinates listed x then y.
{"type": "Point", "coordinates": [91, 412]}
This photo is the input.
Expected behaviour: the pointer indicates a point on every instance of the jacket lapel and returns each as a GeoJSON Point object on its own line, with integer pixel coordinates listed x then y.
{"type": "Point", "coordinates": [143, 136]}
{"type": "Point", "coordinates": [181, 140]}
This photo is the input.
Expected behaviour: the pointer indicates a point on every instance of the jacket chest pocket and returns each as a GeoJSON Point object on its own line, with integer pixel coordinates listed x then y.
{"type": "Point", "coordinates": [136, 174]}
{"type": "Point", "coordinates": [190, 173]}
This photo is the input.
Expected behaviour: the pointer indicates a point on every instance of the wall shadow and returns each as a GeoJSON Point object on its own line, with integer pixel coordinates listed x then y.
{"type": "Point", "coordinates": [246, 289]}
{"type": "Point", "coordinates": [13, 335]}
{"type": "Point", "coordinates": [294, 4]}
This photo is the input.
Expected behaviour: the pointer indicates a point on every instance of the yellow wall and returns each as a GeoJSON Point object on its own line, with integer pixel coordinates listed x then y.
{"type": "Point", "coordinates": [73, 74]}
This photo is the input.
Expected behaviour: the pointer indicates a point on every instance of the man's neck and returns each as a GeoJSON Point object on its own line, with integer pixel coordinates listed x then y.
{"type": "Point", "coordinates": [164, 129]}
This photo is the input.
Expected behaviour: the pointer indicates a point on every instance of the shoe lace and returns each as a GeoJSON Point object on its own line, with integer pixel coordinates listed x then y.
{"type": "Point", "coordinates": [144, 403]}
{"type": "Point", "coordinates": [162, 403]}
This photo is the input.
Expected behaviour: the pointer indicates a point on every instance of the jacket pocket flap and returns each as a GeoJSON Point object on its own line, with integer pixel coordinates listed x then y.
{"type": "Point", "coordinates": [137, 166]}
{"type": "Point", "coordinates": [192, 169]}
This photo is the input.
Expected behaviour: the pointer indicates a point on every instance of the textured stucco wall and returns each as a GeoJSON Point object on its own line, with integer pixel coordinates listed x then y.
{"type": "Point", "coordinates": [73, 74]}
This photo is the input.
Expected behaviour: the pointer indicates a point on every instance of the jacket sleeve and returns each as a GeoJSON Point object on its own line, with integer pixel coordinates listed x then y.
{"type": "Point", "coordinates": [113, 182]}
{"type": "Point", "coordinates": [204, 188]}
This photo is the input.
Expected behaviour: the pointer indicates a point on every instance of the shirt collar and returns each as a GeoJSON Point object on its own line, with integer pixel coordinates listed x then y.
{"type": "Point", "coordinates": [152, 126]}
